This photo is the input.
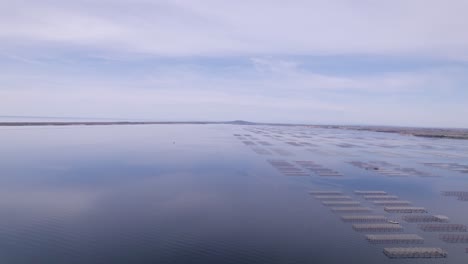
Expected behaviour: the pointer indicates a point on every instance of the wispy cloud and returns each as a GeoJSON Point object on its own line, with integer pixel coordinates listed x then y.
{"type": "Point", "coordinates": [178, 28]}
{"type": "Point", "coordinates": [392, 62]}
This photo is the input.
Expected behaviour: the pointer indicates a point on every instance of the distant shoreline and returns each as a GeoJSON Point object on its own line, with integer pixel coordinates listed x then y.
{"type": "Point", "coordinates": [448, 133]}
{"type": "Point", "coordinates": [95, 123]}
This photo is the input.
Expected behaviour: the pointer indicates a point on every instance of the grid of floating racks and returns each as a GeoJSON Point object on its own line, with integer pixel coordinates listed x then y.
{"type": "Point", "coordinates": [395, 239]}
{"type": "Point", "coordinates": [448, 166]}
{"type": "Point", "coordinates": [287, 168]}
{"type": "Point", "coordinates": [341, 203]}
{"type": "Point", "coordinates": [265, 143]}
{"type": "Point", "coordinates": [333, 197]}
{"type": "Point", "coordinates": [299, 144]}
{"type": "Point", "coordinates": [364, 218]}
{"type": "Point", "coordinates": [405, 209]}
{"type": "Point", "coordinates": [425, 218]}
{"type": "Point", "coordinates": [439, 226]}
{"type": "Point", "coordinates": [354, 212]}
{"type": "Point", "coordinates": [261, 151]}
{"type": "Point", "coordinates": [282, 152]}
{"type": "Point", "coordinates": [443, 227]}
{"type": "Point", "coordinates": [416, 252]}
{"type": "Point", "coordinates": [461, 195]}
{"type": "Point", "coordinates": [374, 223]}
{"type": "Point", "coordinates": [454, 238]}
{"type": "Point", "coordinates": [393, 205]}
{"type": "Point", "coordinates": [317, 168]}
{"type": "Point", "coordinates": [351, 209]}
{"type": "Point", "coordinates": [253, 142]}
{"type": "Point", "coordinates": [377, 227]}
{"type": "Point", "coordinates": [388, 169]}
{"type": "Point", "coordinates": [381, 197]}
{"type": "Point", "coordinates": [249, 143]}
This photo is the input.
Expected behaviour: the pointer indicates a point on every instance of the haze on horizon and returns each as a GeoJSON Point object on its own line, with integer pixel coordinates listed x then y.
{"type": "Point", "coordinates": [342, 62]}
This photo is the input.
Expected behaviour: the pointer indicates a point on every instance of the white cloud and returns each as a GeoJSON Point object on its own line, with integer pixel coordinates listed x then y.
{"type": "Point", "coordinates": [211, 28]}
{"type": "Point", "coordinates": [275, 91]}
{"type": "Point", "coordinates": [39, 38]}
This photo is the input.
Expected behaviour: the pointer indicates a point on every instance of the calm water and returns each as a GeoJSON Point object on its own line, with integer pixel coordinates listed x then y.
{"type": "Point", "coordinates": [207, 193]}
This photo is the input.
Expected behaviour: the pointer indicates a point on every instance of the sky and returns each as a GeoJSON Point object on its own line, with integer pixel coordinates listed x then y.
{"type": "Point", "coordinates": [398, 62]}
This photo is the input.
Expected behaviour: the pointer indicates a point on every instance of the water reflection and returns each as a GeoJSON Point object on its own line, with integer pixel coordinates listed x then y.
{"type": "Point", "coordinates": [200, 194]}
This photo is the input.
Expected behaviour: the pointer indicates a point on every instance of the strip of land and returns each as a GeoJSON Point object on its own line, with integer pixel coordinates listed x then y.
{"type": "Point", "coordinates": [452, 133]}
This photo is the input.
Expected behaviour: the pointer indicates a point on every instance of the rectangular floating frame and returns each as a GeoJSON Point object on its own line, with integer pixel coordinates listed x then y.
{"type": "Point", "coordinates": [454, 238]}
{"type": "Point", "coordinates": [326, 192]}
{"type": "Point", "coordinates": [364, 218]}
{"type": "Point", "coordinates": [455, 193]}
{"type": "Point", "coordinates": [415, 252]}
{"type": "Point", "coordinates": [392, 203]}
{"type": "Point", "coordinates": [333, 197]}
{"type": "Point", "coordinates": [405, 209]}
{"type": "Point", "coordinates": [341, 203]}
{"type": "Point", "coordinates": [351, 209]}
{"type": "Point", "coordinates": [443, 227]}
{"type": "Point", "coordinates": [377, 227]}
{"type": "Point", "coordinates": [370, 192]}
{"type": "Point", "coordinates": [425, 218]}
{"type": "Point", "coordinates": [395, 239]}
{"type": "Point", "coordinates": [381, 197]}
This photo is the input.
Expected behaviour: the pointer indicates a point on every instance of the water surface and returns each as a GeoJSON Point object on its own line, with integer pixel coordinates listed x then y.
{"type": "Point", "coordinates": [207, 193]}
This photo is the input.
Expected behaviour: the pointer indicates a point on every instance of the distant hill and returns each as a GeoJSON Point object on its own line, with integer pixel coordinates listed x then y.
{"type": "Point", "coordinates": [241, 122]}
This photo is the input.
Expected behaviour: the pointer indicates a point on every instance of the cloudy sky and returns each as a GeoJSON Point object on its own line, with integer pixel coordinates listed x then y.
{"type": "Point", "coordinates": [398, 62]}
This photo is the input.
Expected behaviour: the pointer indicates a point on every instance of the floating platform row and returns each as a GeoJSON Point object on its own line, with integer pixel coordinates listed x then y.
{"type": "Point", "coordinates": [461, 195]}
{"type": "Point", "coordinates": [449, 166]}
{"type": "Point", "coordinates": [377, 227]}
{"type": "Point", "coordinates": [395, 239]}
{"type": "Point", "coordinates": [351, 209]}
{"type": "Point", "coordinates": [454, 238]}
{"type": "Point", "coordinates": [370, 192]}
{"type": "Point", "coordinates": [264, 143]}
{"type": "Point", "coordinates": [341, 203]}
{"type": "Point", "coordinates": [248, 143]}
{"type": "Point", "coordinates": [391, 172]}
{"type": "Point", "coordinates": [379, 223]}
{"type": "Point", "coordinates": [282, 152]}
{"type": "Point", "coordinates": [443, 227]}
{"type": "Point", "coordinates": [364, 218]}
{"type": "Point", "coordinates": [405, 209]}
{"type": "Point", "coordinates": [326, 192]}
{"type": "Point", "coordinates": [425, 218]}
{"type": "Point", "coordinates": [333, 197]}
{"type": "Point", "coordinates": [293, 143]}
{"type": "Point", "coordinates": [287, 168]}
{"type": "Point", "coordinates": [455, 193]}
{"type": "Point", "coordinates": [317, 168]}
{"type": "Point", "coordinates": [261, 151]}
{"type": "Point", "coordinates": [415, 252]}
{"type": "Point", "coordinates": [381, 197]}
{"type": "Point", "coordinates": [392, 203]}
{"type": "Point", "coordinates": [388, 169]}
{"type": "Point", "coordinates": [307, 143]}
